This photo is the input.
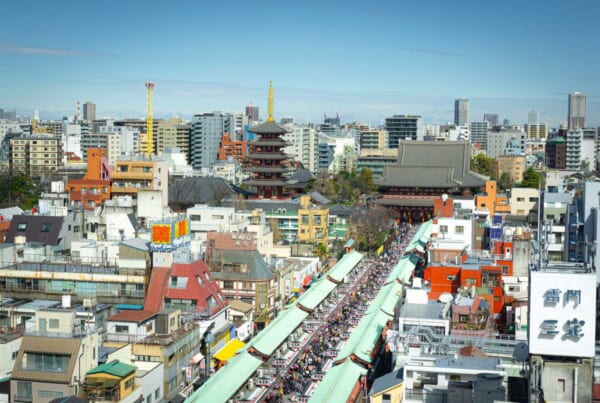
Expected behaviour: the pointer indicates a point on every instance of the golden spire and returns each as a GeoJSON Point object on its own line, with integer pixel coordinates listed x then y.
{"type": "Point", "coordinates": [270, 118]}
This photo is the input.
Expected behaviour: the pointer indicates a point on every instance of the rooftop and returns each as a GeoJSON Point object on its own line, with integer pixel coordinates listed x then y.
{"type": "Point", "coordinates": [115, 368]}
{"type": "Point", "coordinates": [132, 316]}
{"type": "Point", "coordinates": [430, 310]}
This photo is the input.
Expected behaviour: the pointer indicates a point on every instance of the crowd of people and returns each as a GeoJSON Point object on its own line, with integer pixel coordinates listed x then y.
{"type": "Point", "coordinates": [296, 379]}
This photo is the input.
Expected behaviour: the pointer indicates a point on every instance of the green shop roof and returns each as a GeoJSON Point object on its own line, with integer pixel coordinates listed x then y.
{"type": "Point", "coordinates": [115, 368]}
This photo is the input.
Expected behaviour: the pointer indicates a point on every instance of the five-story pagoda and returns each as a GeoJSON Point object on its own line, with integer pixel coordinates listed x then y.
{"type": "Point", "coordinates": [266, 160]}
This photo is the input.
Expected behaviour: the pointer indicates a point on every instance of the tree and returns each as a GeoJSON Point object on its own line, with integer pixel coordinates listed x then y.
{"type": "Point", "coordinates": [18, 190]}
{"type": "Point", "coordinates": [369, 226]}
{"type": "Point", "coordinates": [321, 251]}
{"type": "Point", "coordinates": [531, 179]}
{"type": "Point", "coordinates": [505, 181]}
{"type": "Point", "coordinates": [483, 165]}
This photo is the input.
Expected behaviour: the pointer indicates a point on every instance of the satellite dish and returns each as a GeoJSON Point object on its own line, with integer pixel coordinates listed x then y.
{"type": "Point", "coordinates": [521, 352]}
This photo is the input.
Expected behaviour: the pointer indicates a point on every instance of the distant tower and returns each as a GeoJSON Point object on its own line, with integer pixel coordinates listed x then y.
{"type": "Point", "coordinates": [491, 118]}
{"type": "Point", "coordinates": [577, 110]}
{"type": "Point", "coordinates": [461, 112]}
{"type": "Point", "coordinates": [532, 118]}
{"type": "Point", "coordinates": [78, 111]}
{"type": "Point", "coordinates": [252, 112]}
{"type": "Point", "coordinates": [149, 118]}
{"type": "Point", "coordinates": [89, 111]}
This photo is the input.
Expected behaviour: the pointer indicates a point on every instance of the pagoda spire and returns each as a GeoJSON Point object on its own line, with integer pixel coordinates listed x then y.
{"type": "Point", "coordinates": [270, 118]}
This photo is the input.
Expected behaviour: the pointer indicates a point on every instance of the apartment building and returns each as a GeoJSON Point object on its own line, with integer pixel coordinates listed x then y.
{"type": "Point", "coordinates": [132, 175]}
{"type": "Point", "coordinates": [35, 155]}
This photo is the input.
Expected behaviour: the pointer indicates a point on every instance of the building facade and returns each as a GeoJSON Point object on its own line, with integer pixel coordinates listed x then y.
{"type": "Point", "coordinates": [461, 112]}
{"type": "Point", "coordinates": [205, 137]}
{"type": "Point", "coordinates": [403, 127]}
{"type": "Point", "coordinates": [35, 155]}
{"type": "Point", "coordinates": [577, 110]}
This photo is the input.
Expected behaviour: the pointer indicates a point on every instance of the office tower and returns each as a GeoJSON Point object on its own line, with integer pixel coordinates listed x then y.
{"type": "Point", "coordinates": [577, 109]}
{"type": "Point", "coordinates": [491, 118]}
{"type": "Point", "coordinates": [403, 127]}
{"type": "Point", "coordinates": [461, 112]}
{"type": "Point", "coordinates": [532, 118]}
{"type": "Point", "coordinates": [479, 135]}
{"type": "Point", "coordinates": [1, 114]}
{"type": "Point", "coordinates": [205, 137]}
{"type": "Point", "coordinates": [89, 111]}
{"type": "Point", "coordinates": [252, 113]}
{"type": "Point", "coordinates": [303, 145]}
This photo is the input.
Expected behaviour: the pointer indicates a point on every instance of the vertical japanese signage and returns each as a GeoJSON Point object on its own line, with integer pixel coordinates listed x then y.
{"type": "Point", "coordinates": [167, 235]}
{"type": "Point", "coordinates": [563, 313]}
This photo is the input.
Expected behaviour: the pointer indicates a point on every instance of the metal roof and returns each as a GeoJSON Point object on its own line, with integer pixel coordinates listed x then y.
{"type": "Point", "coordinates": [339, 382]}
{"type": "Point", "coordinates": [316, 294]}
{"type": "Point", "coordinates": [268, 128]}
{"type": "Point", "coordinates": [9, 212]}
{"type": "Point", "coordinates": [132, 316]}
{"type": "Point", "coordinates": [235, 373]}
{"type": "Point", "coordinates": [270, 338]}
{"type": "Point", "coordinates": [48, 345]}
{"type": "Point", "coordinates": [345, 265]}
{"type": "Point", "coordinates": [387, 381]}
{"type": "Point", "coordinates": [115, 368]}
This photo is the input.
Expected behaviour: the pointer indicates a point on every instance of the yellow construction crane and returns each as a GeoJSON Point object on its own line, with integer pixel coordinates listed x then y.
{"type": "Point", "coordinates": [149, 118]}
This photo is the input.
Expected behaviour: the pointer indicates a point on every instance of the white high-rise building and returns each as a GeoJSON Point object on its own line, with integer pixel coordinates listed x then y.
{"type": "Point", "coordinates": [577, 110]}
{"type": "Point", "coordinates": [304, 145]}
{"type": "Point", "coordinates": [532, 118]}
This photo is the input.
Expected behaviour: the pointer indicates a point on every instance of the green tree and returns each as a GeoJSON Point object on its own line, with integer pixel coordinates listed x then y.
{"type": "Point", "coordinates": [505, 181]}
{"type": "Point", "coordinates": [18, 190]}
{"type": "Point", "coordinates": [483, 165]}
{"type": "Point", "coordinates": [531, 179]}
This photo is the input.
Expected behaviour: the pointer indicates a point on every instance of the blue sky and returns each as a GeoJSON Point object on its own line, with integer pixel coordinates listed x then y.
{"type": "Point", "coordinates": [365, 60]}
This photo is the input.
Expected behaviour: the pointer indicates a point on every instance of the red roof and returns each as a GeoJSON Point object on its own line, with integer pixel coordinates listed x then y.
{"type": "Point", "coordinates": [132, 316]}
{"type": "Point", "coordinates": [198, 287]}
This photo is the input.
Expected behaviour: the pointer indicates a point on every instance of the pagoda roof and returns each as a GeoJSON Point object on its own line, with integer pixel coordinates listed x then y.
{"type": "Point", "coordinates": [266, 168]}
{"type": "Point", "coordinates": [269, 182]}
{"type": "Point", "coordinates": [268, 127]}
{"type": "Point", "coordinates": [270, 142]}
{"type": "Point", "coordinates": [268, 156]}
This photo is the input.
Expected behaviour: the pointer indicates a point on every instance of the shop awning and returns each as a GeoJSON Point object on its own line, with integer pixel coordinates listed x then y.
{"type": "Point", "coordinates": [307, 280]}
{"type": "Point", "coordinates": [197, 358]}
{"type": "Point", "coordinates": [229, 350]}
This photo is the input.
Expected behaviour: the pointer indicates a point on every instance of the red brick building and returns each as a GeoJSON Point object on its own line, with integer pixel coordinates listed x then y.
{"type": "Point", "coordinates": [94, 188]}
{"type": "Point", "coordinates": [234, 149]}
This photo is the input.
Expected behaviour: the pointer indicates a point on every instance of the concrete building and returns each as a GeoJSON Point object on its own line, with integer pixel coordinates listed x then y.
{"type": "Point", "coordinates": [132, 175]}
{"type": "Point", "coordinates": [479, 132]}
{"type": "Point", "coordinates": [403, 127]}
{"type": "Point", "coordinates": [461, 112]}
{"type": "Point", "coordinates": [536, 130]}
{"type": "Point", "coordinates": [491, 118]}
{"type": "Point", "coordinates": [512, 165]}
{"type": "Point", "coordinates": [173, 133]}
{"type": "Point", "coordinates": [89, 111]}
{"type": "Point", "coordinates": [577, 110]}
{"type": "Point", "coordinates": [252, 112]}
{"type": "Point", "coordinates": [574, 149]}
{"type": "Point", "coordinates": [35, 155]}
{"type": "Point", "coordinates": [556, 153]}
{"type": "Point", "coordinates": [498, 140]}
{"type": "Point", "coordinates": [231, 149]}
{"type": "Point", "coordinates": [50, 364]}
{"type": "Point", "coordinates": [130, 137]}
{"type": "Point", "coordinates": [303, 145]}
{"type": "Point", "coordinates": [10, 343]}
{"type": "Point", "coordinates": [178, 162]}
{"type": "Point", "coordinates": [373, 139]}
{"type": "Point", "coordinates": [376, 160]}
{"type": "Point", "coordinates": [110, 141]}
{"type": "Point", "coordinates": [95, 187]}
{"type": "Point", "coordinates": [523, 200]}
{"type": "Point", "coordinates": [312, 223]}
{"type": "Point", "coordinates": [205, 136]}
{"type": "Point", "coordinates": [555, 219]}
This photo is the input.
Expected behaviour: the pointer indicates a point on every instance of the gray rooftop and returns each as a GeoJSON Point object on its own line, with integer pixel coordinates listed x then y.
{"type": "Point", "coordinates": [477, 363]}
{"type": "Point", "coordinates": [387, 381]}
{"type": "Point", "coordinates": [430, 310]}
{"type": "Point", "coordinates": [557, 198]}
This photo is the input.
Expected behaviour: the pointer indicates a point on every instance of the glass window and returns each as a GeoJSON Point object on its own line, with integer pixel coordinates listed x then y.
{"type": "Point", "coordinates": [121, 329]}
{"type": "Point", "coordinates": [44, 362]}
{"type": "Point", "coordinates": [24, 390]}
{"type": "Point", "coordinates": [46, 227]}
{"type": "Point", "coordinates": [305, 219]}
{"type": "Point", "coordinates": [460, 229]}
{"type": "Point", "coordinates": [53, 323]}
{"type": "Point", "coordinates": [22, 227]}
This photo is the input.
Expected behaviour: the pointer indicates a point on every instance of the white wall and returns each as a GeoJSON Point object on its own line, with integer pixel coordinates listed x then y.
{"type": "Point", "coordinates": [8, 350]}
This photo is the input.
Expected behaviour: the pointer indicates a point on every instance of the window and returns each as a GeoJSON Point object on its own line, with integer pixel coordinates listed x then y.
{"type": "Point", "coordinates": [24, 391]}
{"type": "Point", "coordinates": [149, 327]}
{"type": "Point", "coordinates": [463, 318]}
{"type": "Point", "coordinates": [77, 228]}
{"type": "Point", "coordinates": [520, 199]}
{"type": "Point", "coordinates": [157, 394]}
{"type": "Point", "coordinates": [228, 285]}
{"type": "Point", "coordinates": [218, 217]}
{"type": "Point", "coordinates": [46, 227]}
{"type": "Point", "coordinates": [149, 398]}
{"type": "Point", "coordinates": [451, 277]}
{"type": "Point", "coordinates": [560, 386]}
{"type": "Point", "coordinates": [200, 281]}
{"type": "Point", "coordinates": [386, 398]}
{"type": "Point", "coordinates": [50, 394]}
{"type": "Point", "coordinates": [304, 219]}
{"type": "Point", "coordinates": [505, 270]}
{"type": "Point", "coordinates": [460, 229]}
{"type": "Point", "coordinates": [317, 219]}
{"type": "Point", "coordinates": [470, 281]}
{"type": "Point", "coordinates": [44, 362]}
{"type": "Point", "coordinates": [129, 383]}
{"type": "Point", "coordinates": [53, 323]}
{"type": "Point", "coordinates": [443, 229]}
{"type": "Point", "coordinates": [22, 227]}
{"type": "Point", "coordinates": [121, 328]}
{"type": "Point", "coordinates": [14, 354]}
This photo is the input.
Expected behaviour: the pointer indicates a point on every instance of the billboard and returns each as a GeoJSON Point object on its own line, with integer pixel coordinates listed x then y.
{"type": "Point", "coordinates": [169, 235]}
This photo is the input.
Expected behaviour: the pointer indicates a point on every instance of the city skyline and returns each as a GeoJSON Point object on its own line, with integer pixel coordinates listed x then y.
{"type": "Point", "coordinates": [323, 58]}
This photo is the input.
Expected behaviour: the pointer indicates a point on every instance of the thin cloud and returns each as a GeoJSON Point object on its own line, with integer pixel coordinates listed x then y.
{"type": "Point", "coordinates": [9, 47]}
